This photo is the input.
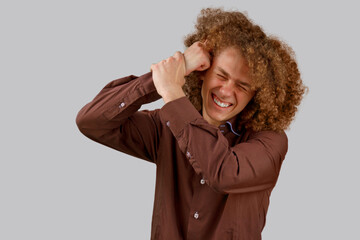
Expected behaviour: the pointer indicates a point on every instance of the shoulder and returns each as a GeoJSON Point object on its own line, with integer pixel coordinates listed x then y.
{"type": "Point", "coordinates": [278, 136]}
{"type": "Point", "coordinates": [274, 142]}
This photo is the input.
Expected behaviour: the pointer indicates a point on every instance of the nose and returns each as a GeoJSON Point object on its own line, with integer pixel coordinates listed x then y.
{"type": "Point", "coordinates": [227, 89]}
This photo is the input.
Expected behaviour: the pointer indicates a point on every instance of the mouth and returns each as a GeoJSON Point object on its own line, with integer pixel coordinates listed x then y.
{"type": "Point", "coordinates": [220, 103]}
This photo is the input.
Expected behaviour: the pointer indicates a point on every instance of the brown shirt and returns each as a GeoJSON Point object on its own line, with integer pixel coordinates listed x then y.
{"type": "Point", "coordinates": [212, 183]}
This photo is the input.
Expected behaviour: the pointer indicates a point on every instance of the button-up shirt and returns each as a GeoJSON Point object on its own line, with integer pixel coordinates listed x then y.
{"type": "Point", "coordinates": [212, 183]}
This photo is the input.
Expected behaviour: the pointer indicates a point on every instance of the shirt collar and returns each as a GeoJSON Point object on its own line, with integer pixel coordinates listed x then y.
{"type": "Point", "coordinates": [233, 124]}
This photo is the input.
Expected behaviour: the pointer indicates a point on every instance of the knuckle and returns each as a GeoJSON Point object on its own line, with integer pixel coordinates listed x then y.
{"type": "Point", "coordinates": [177, 54]}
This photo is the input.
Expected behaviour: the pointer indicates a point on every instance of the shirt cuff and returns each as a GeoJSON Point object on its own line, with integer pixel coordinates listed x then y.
{"type": "Point", "coordinates": [178, 113]}
{"type": "Point", "coordinates": [148, 83]}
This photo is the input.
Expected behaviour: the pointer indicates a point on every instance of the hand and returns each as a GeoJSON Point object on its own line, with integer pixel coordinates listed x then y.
{"type": "Point", "coordinates": [196, 58]}
{"type": "Point", "coordinates": [168, 76]}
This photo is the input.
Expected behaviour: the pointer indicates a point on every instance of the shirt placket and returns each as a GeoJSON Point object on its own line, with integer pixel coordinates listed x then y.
{"type": "Point", "coordinates": [196, 213]}
{"type": "Point", "coordinates": [222, 128]}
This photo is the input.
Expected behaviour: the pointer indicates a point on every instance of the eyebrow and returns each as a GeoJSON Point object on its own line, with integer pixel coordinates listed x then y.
{"type": "Point", "coordinates": [228, 76]}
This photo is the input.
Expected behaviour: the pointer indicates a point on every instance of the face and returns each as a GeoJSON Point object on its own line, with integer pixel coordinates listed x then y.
{"type": "Point", "coordinates": [226, 88]}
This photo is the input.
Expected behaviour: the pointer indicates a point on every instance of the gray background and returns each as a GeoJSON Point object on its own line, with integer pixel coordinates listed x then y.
{"type": "Point", "coordinates": [57, 55]}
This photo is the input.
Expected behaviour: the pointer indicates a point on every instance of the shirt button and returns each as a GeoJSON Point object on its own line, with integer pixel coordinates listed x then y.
{"type": "Point", "coordinates": [188, 154]}
{"type": "Point", "coordinates": [168, 123]}
{"type": "Point", "coordinates": [202, 181]}
{"type": "Point", "coordinates": [196, 215]}
{"type": "Point", "coordinates": [122, 105]}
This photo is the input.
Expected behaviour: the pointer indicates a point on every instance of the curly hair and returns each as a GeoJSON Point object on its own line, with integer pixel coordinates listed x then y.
{"type": "Point", "coordinates": [272, 68]}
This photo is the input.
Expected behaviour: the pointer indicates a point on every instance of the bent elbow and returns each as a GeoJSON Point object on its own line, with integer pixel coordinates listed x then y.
{"type": "Point", "coordinates": [239, 188]}
{"type": "Point", "coordinates": [83, 123]}
{"type": "Point", "coordinates": [241, 183]}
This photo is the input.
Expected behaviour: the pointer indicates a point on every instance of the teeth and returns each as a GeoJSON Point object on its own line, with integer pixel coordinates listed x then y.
{"type": "Point", "coordinates": [221, 104]}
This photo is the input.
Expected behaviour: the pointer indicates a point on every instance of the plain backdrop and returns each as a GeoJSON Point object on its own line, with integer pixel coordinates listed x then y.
{"type": "Point", "coordinates": [55, 56]}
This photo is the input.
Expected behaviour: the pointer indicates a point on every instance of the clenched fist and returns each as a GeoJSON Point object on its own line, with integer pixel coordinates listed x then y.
{"type": "Point", "coordinates": [168, 76]}
{"type": "Point", "coordinates": [196, 58]}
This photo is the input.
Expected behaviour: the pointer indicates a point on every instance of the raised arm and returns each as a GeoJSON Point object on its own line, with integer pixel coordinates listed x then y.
{"type": "Point", "coordinates": [112, 117]}
{"type": "Point", "coordinates": [249, 166]}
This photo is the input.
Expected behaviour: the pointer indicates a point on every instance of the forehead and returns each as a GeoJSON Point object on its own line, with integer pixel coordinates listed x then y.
{"type": "Point", "coordinates": [232, 61]}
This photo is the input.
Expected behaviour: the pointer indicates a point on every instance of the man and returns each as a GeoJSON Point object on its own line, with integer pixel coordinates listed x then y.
{"type": "Point", "coordinates": [218, 142]}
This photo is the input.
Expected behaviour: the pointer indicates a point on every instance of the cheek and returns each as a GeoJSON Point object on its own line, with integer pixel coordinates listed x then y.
{"type": "Point", "coordinates": [205, 87]}
{"type": "Point", "coordinates": [212, 83]}
{"type": "Point", "coordinates": [202, 90]}
{"type": "Point", "coordinates": [243, 99]}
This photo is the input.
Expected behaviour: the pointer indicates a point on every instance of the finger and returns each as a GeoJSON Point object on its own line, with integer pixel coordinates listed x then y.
{"type": "Point", "coordinates": [202, 67]}
{"type": "Point", "coordinates": [165, 61]}
{"type": "Point", "coordinates": [207, 58]}
{"type": "Point", "coordinates": [205, 65]}
{"type": "Point", "coordinates": [177, 55]}
{"type": "Point", "coordinates": [206, 45]}
{"type": "Point", "coordinates": [202, 43]}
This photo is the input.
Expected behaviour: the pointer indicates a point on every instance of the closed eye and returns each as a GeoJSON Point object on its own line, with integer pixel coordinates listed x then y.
{"type": "Point", "coordinates": [221, 76]}
{"type": "Point", "coordinates": [241, 86]}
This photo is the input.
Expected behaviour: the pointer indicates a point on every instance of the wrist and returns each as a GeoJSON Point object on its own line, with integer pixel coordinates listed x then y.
{"type": "Point", "coordinates": [173, 94]}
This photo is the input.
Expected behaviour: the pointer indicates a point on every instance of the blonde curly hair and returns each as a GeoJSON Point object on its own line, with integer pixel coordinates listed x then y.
{"type": "Point", "coordinates": [272, 68]}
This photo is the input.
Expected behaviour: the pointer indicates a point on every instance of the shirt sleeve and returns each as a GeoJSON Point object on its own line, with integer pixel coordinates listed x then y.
{"type": "Point", "coordinates": [249, 166]}
{"type": "Point", "coordinates": [112, 117]}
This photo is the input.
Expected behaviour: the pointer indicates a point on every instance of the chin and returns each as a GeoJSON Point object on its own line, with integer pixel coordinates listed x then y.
{"type": "Point", "coordinates": [220, 119]}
